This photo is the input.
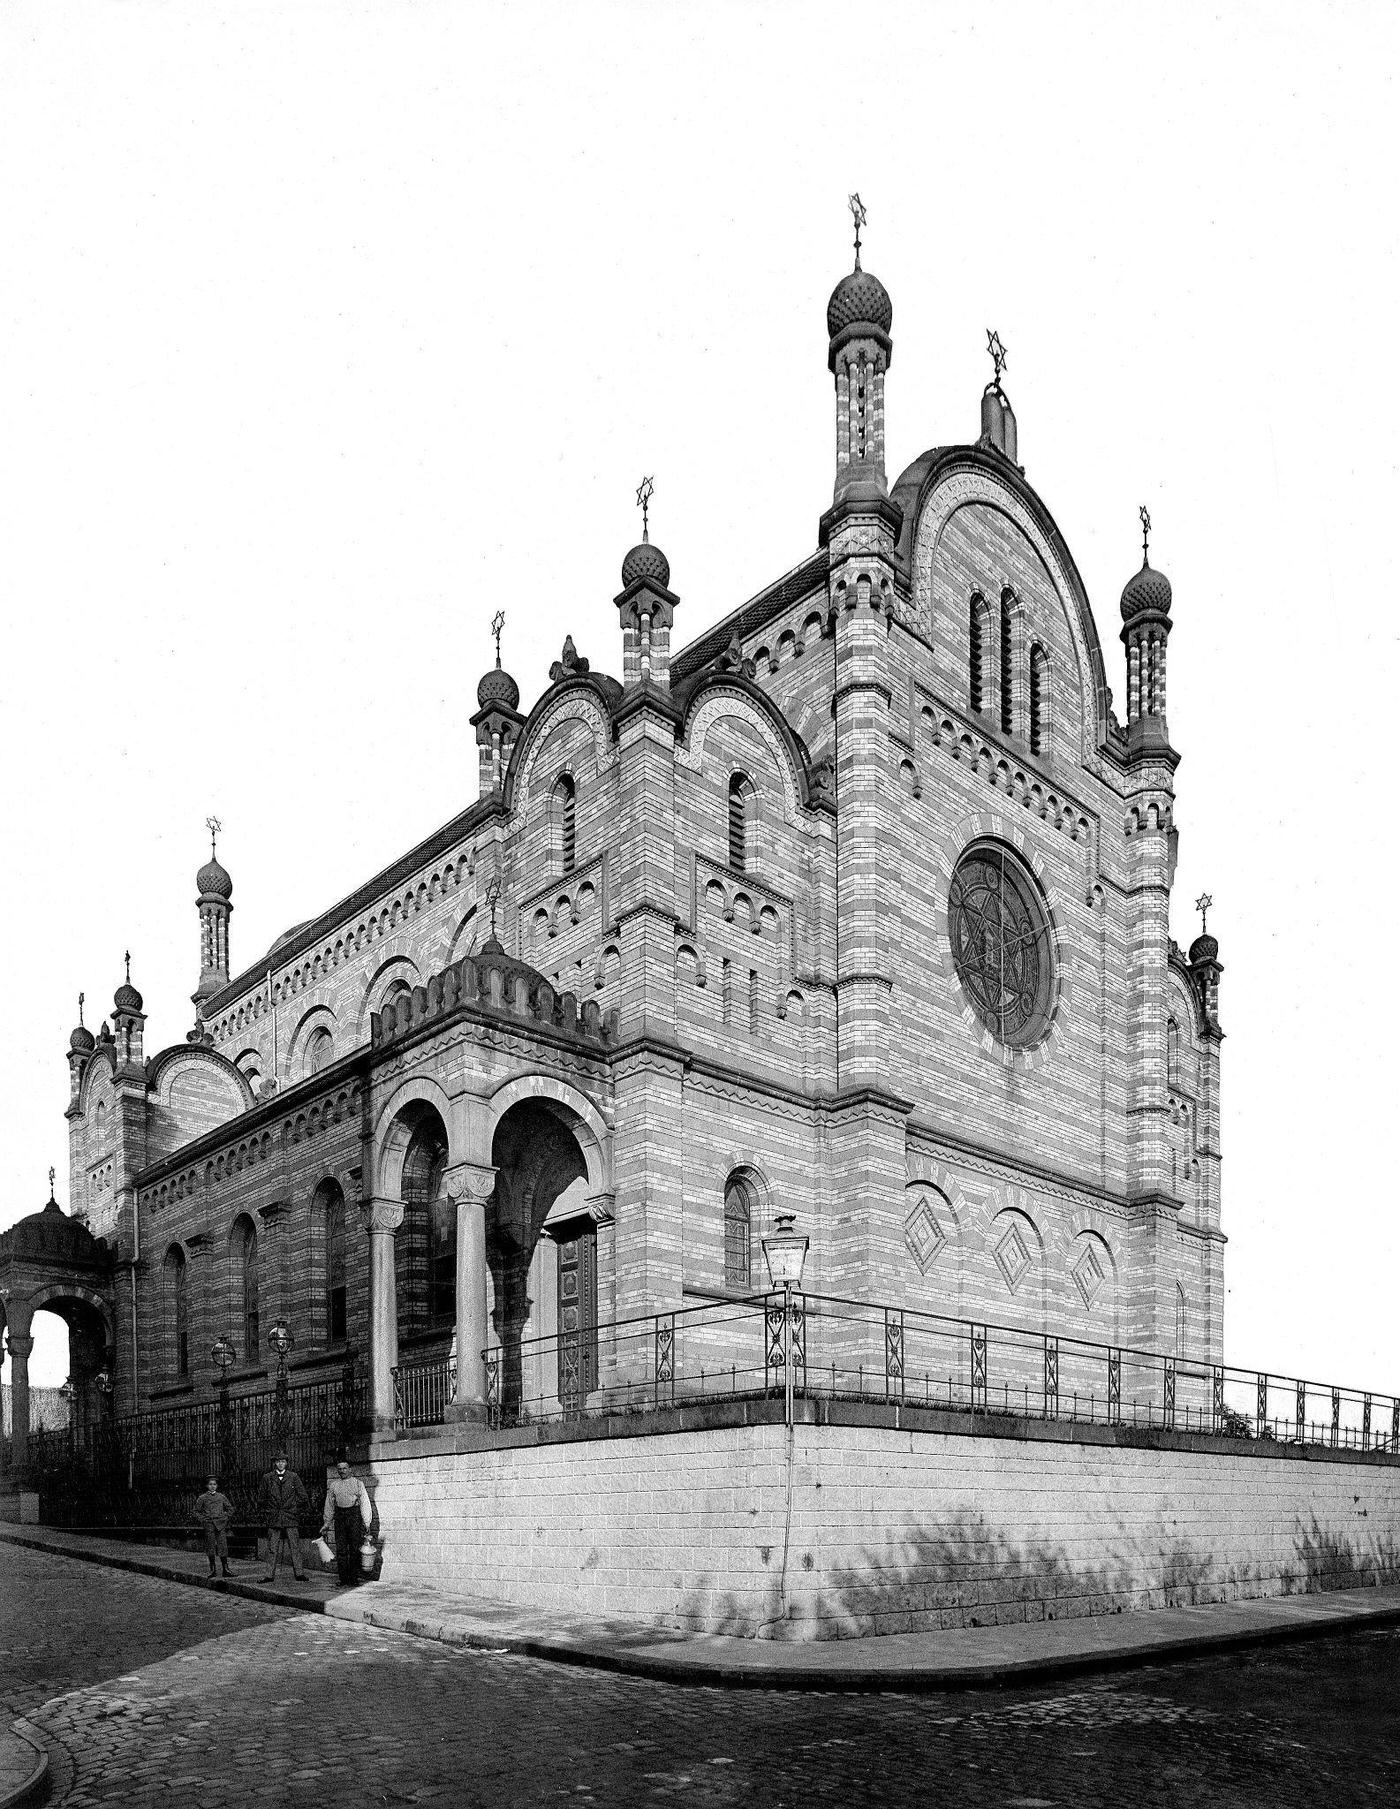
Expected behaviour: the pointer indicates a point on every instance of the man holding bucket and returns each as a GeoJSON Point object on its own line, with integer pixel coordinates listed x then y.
{"type": "Point", "coordinates": [350, 1512]}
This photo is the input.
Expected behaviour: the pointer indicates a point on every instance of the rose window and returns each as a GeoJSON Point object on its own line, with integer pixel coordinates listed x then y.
{"type": "Point", "coordinates": [1000, 933]}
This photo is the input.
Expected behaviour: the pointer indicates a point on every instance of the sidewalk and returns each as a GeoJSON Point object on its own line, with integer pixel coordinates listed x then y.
{"type": "Point", "coordinates": [954, 1659]}
{"type": "Point", "coordinates": [24, 1767]}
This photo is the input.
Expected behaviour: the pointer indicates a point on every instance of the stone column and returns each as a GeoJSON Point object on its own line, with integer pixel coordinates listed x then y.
{"type": "Point", "coordinates": [383, 1218]}
{"type": "Point", "coordinates": [21, 1346]}
{"type": "Point", "coordinates": [469, 1186]}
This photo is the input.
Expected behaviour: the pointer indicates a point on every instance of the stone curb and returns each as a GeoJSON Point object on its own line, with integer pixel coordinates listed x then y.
{"type": "Point", "coordinates": [169, 1573]}
{"type": "Point", "coordinates": [35, 1788]}
{"type": "Point", "coordinates": [700, 1665]}
{"type": "Point", "coordinates": [830, 1665]}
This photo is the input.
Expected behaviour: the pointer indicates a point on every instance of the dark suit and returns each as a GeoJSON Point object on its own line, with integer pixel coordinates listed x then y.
{"type": "Point", "coordinates": [281, 1505]}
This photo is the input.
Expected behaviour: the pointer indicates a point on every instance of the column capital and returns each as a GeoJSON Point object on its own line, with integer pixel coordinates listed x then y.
{"type": "Point", "coordinates": [20, 1345]}
{"type": "Point", "coordinates": [382, 1215]}
{"type": "Point", "coordinates": [470, 1181]}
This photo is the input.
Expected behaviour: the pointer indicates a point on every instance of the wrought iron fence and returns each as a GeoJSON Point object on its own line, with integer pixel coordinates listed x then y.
{"type": "Point", "coordinates": [147, 1468]}
{"type": "Point", "coordinates": [850, 1350]}
{"type": "Point", "coordinates": [423, 1390]}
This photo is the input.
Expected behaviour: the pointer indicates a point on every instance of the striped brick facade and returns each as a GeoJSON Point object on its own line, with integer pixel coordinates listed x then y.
{"type": "Point", "coordinates": [796, 1016]}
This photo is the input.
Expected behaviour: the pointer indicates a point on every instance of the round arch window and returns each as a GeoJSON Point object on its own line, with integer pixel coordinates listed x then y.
{"type": "Point", "coordinates": [999, 928]}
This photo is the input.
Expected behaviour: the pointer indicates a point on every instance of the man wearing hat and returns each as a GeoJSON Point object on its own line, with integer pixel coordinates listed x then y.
{"type": "Point", "coordinates": [282, 1502]}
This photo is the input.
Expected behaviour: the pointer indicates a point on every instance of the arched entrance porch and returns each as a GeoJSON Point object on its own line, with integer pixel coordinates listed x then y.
{"type": "Point", "coordinates": [507, 1194]}
{"type": "Point", "coordinates": [541, 1248]}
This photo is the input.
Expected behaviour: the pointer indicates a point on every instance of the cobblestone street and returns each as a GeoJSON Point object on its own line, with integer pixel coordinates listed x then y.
{"type": "Point", "coordinates": [150, 1692]}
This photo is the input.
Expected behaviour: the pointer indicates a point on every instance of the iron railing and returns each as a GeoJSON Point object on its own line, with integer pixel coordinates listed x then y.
{"type": "Point", "coordinates": [145, 1469]}
{"type": "Point", "coordinates": [850, 1350]}
{"type": "Point", "coordinates": [423, 1390]}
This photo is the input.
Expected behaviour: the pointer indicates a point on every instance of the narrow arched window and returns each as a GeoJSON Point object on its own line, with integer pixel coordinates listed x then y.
{"type": "Point", "coordinates": [1040, 700]}
{"type": "Point", "coordinates": [753, 1001]}
{"type": "Point", "coordinates": [320, 1048]}
{"type": "Point", "coordinates": [1008, 663]}
{"type": "Point", "coordinates": [741, 813]}
{"type": "Point", "coordinates": [245, 1254]}
{"type": "Point", "coordinates": [330, 1204]}
{"type": "Point", "coordinates": [176, 1271]}
{"type": "Point", "coordinates": [1173, 1054]}
{"type": "Point", "coordinates": [976, 651]}
{"type": "Point", "coordinates": [565, 810]}
{"type": "Point", "coordinates": [1180, 1321]}
{"type": "Point", "coordinates": [739, 1204]}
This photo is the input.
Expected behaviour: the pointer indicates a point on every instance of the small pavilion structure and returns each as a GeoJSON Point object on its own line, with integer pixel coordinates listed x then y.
{"type": "Point", "coordinates": [49, 1260]}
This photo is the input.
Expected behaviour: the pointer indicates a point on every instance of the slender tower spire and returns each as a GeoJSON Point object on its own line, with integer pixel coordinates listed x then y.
{"type": "Point", "coordinates": [215, 906]}
{"type": "Point", "coordinates": [858, 320]}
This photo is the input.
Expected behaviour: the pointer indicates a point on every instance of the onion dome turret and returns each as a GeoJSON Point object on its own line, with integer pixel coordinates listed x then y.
{"type": "Point", "coordinates": [498, 720]}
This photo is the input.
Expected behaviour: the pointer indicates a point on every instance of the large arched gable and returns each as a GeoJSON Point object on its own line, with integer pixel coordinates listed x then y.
{"type": "Point", "coordinates": [97, 1079]}
{"type": "Point", "coordinates": [183, 1058]}
{"type": "Point", "coordinates": [586, 698]}
{"type": "Point", "coordinates": [1185, 999]}
{"type": "Point", "coordinates": [722, 693]}
{"type": "Point", "coordinates": [193, 1089]}
{"type": "Point", "coordinates": [931, 491]}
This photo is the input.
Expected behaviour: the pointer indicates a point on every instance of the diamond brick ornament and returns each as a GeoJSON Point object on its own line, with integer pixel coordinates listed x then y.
{"type": "Point", "coordinates": [1013, 1259]}
{"type": "Point", "coordinates": [924, 1236]}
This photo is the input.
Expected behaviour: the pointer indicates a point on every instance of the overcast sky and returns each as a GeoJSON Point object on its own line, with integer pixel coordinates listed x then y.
{"type": "Point", "coordinates": [326, 331]}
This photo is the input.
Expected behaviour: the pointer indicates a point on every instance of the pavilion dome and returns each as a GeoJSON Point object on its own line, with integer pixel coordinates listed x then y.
{"type": "Point", "coordinates": [51, 1236]}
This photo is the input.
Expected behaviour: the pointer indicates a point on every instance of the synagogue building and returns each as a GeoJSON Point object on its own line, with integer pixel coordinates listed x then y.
{"type": "Point", "coordinates": [856, 904]}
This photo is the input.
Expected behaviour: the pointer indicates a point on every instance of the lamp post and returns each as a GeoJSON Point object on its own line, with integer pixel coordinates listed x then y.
{"type": "Point", "coordinates": [224, 1356]}
{"type": "Point", "coordinates": [280, 1339]}
{"type": "Point", "coordinates": [785, 1252]}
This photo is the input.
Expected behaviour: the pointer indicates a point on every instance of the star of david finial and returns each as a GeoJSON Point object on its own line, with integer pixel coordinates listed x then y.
{"type": "Point", "coordinates": [128, 967]}
{"type": "Point", "coordinates": [998, 353]}
{"type": "Point", "coordinates": [81, 997]}
{"type": "Point", "coordinates": [857, 207]}
{"type": "Point", "coordinates": [493, 898]}
{"type": "Point", "coordinates": [1146, 521]}
{"type": "Point", "coordinates": [51, 1198]}
{"type": "Point", "coordinates": [498, 622]}
{"type": "Point", "coordinates": [645, 491]}
{"type": "Point", "coordinates": [213, 825]}
{"type": "Point", "coordinates": [1203, 904]}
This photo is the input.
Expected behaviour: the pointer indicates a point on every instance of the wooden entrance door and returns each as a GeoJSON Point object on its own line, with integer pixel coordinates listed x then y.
{"type": "Point", "coordinates": [578, 1316]}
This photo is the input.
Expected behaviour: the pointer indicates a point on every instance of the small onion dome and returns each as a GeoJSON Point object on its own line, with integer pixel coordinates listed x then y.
{"type": "Point", "coordinates": [1204, 948]}
{"type": "Point", "coordinates": [126, 997]}
{"type": "Point", "coordinates": [859, 299]}
{"type": "Point", "coordinates": [1146, 593]}
{"type": "Point", "coordinates": [646, 561]}
{"type": "Point", "coordinates": [213, 880]}
{"type": "Point", "coordinates": [82, 1041]}
{"type": "Point", "coordinates": [498, 690]}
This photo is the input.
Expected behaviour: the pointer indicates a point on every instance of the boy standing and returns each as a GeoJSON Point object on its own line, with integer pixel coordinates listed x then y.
{"type": "Point", "coordinates": [214, 1514]}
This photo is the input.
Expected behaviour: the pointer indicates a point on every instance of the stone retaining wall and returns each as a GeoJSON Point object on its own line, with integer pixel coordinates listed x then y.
{"type": "Point", "coordinates": [891, 1528]}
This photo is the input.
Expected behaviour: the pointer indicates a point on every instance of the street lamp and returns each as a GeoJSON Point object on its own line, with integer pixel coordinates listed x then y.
{"type": "Point", "coordinates": [785, 1251]}
{"type": "Point", "coordinates": [224, 1356]}
{"type": "Point", "coordinates": [280, 1339]}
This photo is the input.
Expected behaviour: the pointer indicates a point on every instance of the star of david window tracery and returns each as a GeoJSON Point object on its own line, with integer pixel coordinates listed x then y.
{"type": "Point", "coordinates": [1001, 945]}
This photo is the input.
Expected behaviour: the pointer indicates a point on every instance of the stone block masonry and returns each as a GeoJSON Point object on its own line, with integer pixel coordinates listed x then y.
{"type": "Point", "coordinates": [887, 1523]}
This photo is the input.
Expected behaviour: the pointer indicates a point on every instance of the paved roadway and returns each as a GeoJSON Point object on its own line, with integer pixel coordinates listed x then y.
{"type": "Point", "coordinates": [148, 1692]}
